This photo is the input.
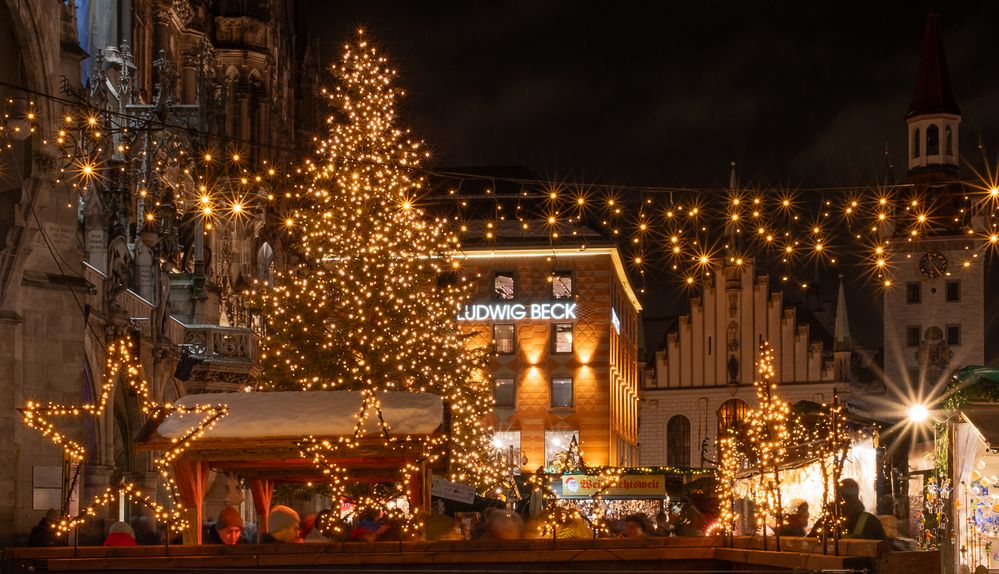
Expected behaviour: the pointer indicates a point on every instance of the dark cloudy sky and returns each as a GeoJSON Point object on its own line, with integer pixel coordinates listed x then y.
{"type": "Point", "coordinates": [799, 93]}
{"type": "Point", "coordinates": [667, 93]}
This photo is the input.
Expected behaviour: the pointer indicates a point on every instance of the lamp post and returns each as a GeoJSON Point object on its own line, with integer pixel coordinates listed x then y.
{"type": "Point", "coordinates": [918, 414]}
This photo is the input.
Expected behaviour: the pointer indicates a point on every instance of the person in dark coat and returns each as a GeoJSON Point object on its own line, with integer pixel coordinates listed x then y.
{"type": "Point", "coordinates": [859, 523]}
{"type": "Point", "coordinates": [44, 533]}
{"type": "Point", "coordinates": [796, 519]}
{"type": "Point", "coordinates": [228, 528]}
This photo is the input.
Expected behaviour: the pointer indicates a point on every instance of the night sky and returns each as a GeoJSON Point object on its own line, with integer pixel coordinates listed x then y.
{"type": "Point", "coordinates": [664, 93]}
{"type": "Point", "coordinates": [799, 94]}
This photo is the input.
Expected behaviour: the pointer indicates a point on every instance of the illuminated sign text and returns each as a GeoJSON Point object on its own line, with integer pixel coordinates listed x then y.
{"type": "Point", "coordinates": [518, 311]}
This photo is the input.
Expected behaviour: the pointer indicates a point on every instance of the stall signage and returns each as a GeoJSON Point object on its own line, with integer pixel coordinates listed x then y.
{"type": "Point", "coordinates": [628, 486]}
{"type": "Point", "coordinates": [452, 491]}
{"type": "Point", "coordinates": [518, 311]}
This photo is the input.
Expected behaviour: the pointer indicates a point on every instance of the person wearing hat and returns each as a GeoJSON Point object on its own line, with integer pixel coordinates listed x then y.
{"type": "Point", "coordinates": [227, 528]}
{"type": "Point", "coordinates": [282, 525]}
{"type": "Point", "coordinates": [121, 534]}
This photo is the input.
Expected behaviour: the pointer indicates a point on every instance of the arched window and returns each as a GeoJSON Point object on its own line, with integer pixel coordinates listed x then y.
{"type": "Point", "coordinates": [915, 143]}
{"type": "Point", "coordinates": [949, 140]}
{"type": "Point", "coordinates": [731, 415]}
{"type": "Point", "coordinates": [678, 441]}
{"type": "Point", "coordinates": [932, 140]}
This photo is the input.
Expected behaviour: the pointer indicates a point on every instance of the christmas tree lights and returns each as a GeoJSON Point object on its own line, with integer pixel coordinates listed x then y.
{"type": "Point", "coordinates": [371, 304]}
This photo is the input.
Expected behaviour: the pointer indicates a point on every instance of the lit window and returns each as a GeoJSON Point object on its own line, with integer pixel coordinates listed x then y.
{"type": "Point", "coordinates": [562, 285]}
{"type": "Point", "coordinates": [503, 285]}
{"type": "Point", "coordinates": [558, 442]}
{"type": "Point", "coordinates": [913, 335]}
{"type": "Point", "coordinates": [507, 445]}
{"type": "Point", "coordinates": [562, 392]}
{"type": "Point", "coordinates": [505, 393]}
{"type": "Point", "coordinates": [562, 333]}
{"type": "Point", "coordinates": [504, 339]}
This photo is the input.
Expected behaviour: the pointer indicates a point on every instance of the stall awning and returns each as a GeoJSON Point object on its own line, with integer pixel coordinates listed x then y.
{"type": "Point", "coordinates": [985, 419]}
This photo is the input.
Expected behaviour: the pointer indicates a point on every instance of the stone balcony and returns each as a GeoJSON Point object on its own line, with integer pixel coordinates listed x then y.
{"type": "Point", "coordinates": [212, 357]}
{"type": "Point", "coordinates": [216, 358]}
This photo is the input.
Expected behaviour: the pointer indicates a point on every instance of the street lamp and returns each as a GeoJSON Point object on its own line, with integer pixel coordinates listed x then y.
{"type": "Point", "coordinates": [918, 413]}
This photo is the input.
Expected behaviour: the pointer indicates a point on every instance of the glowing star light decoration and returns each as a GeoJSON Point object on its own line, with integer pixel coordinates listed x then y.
{"type": "Point", "coordinates": [120, 362]}
{"type": "Point", "coordinates": [372, 303]}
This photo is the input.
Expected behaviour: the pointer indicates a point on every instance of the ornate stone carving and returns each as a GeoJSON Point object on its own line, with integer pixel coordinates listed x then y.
{"type": "Point", "coordinates": [183, 11]}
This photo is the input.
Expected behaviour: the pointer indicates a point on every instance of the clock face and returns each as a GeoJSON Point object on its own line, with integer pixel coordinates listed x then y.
{"type": "Point", "coordinates": [933, 264]}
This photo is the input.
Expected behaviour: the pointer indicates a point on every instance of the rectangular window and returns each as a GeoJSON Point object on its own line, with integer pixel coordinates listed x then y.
{"type": "Point", "coordinates": [913, 292]}
{"type": "Point", "coordinates": [503, 285]}
{"type": "Point", "coordinates": [562, 392]}
{"type": "Point", "coordinates": [505, 392]}
{"type": "Point", "coordinates": [558, 442]}
{"type": "Point", "coordinates": [507, 444]}
{"type": "Point", "coordinates": [914, 376]}
{"type": "Point", "coordinates": [953, 291]}
{"type": "Point", "coordinates": [562, 338]}
{"type": "Point", "coordinates": [504, 339]}
{"type": "Point", "coordinates": [913, 335]}
{"type": "Point", "coordinates": [562, 285]}
{"type": "Point", "coordinates": [953, 334]}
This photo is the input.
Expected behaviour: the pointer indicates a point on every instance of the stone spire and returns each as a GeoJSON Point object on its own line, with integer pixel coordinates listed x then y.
{"type": "Point", "coordinates": [841, 336]}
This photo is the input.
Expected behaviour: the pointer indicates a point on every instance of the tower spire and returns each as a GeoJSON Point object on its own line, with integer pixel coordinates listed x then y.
{"type": "Point", "coordinates": [932, 93]}
{"type": "Point", "coordinates": [841, 335]}
{"type": "Point", "coordinates": [933, 117]}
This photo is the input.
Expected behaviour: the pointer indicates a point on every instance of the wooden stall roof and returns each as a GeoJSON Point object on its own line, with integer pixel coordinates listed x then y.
{"type": "Point", "coordinates": [260, 434]}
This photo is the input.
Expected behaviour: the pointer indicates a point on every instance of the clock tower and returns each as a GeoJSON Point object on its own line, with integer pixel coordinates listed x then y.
{"type": "Point", "coordinates": [934, 308]}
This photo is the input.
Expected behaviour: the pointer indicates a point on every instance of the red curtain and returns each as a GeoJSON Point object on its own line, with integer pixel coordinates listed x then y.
{"type": "Point", "coordinates": [262, 490]}
{"type": "Point", "coordinates": [192, 479]}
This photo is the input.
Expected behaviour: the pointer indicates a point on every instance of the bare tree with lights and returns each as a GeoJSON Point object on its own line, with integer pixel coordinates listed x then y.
{"type": "Point", "coordinates": [767, 435]}
{"type": "Point", "coordinates": [371, 303]}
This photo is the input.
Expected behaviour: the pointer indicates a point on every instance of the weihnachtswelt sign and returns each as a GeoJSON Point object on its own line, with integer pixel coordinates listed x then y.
{"type": "Point", "coordinates": [628, 486]}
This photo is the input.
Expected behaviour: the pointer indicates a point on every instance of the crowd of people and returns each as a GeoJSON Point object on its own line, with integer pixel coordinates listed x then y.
{"type": "Point", "coordinates": [285, 525]}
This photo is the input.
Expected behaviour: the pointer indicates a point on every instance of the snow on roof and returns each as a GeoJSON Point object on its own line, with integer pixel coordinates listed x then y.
{"type": "Point", "coordinates": [297, 414]}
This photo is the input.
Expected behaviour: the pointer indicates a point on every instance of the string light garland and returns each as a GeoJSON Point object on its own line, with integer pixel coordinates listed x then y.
{"type": "Point", "coordinates": [120, 362]}
{"type": "Point", "coordinates": [683, 230]}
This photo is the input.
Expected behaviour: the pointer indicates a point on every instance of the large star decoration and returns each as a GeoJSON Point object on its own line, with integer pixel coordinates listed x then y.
{"type": "Point", "coordinates": [120, 361]}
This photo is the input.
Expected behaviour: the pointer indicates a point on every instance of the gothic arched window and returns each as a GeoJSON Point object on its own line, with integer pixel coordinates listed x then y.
{"type": "Point", "coordinates": [678, 441]}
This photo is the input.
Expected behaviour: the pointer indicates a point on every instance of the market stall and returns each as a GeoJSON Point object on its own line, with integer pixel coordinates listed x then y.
{"type": "Point", "coordinates": [261, 439]}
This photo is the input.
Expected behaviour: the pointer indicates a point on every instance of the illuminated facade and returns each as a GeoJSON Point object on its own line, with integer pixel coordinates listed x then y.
{"type": "Point", "coordinates": [563, 328]}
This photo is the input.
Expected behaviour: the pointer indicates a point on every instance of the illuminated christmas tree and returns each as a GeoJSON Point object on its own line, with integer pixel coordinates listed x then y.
{"type": "Point", "coordinates": [370, 300]}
